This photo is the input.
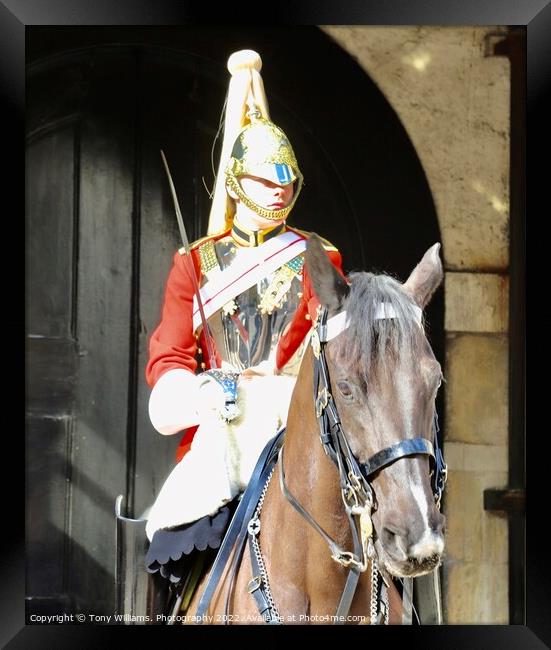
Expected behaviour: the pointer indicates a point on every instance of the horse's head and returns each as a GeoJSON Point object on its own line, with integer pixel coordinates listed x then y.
{"type": "Point", "coordinates": [384, 379]}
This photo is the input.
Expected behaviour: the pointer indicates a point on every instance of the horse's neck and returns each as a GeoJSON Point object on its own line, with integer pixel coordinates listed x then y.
{"type": "Point", "coordinates": [298, 559]}
{"type": "Point", "coordinates": [311, 476]}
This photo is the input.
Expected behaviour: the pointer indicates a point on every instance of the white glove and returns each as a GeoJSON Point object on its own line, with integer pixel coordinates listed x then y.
{"type": "Point", "coordinates": [174, 400]}
{"type": "Point", "coordinates": [181, 399]}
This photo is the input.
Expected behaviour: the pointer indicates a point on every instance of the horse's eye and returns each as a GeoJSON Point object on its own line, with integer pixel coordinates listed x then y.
{"type": "Point", "coordinates": [344, 389]}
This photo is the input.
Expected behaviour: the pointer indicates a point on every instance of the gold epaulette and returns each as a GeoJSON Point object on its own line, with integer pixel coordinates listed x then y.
{"type": "Point", "coordinates": [195, 244]}
{"type": "Point", "coordinates": [326, 243]}
{"type": "Point", "coordinates": [207, 253]}
{"type": "Point", "coordinates": [203, 240]}
{"type": "Point", "coordinates": [207, 257]}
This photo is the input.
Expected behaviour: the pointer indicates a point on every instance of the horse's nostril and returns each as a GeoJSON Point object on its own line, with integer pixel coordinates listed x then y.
{"type": "Point", "coordinates": [394, 528]}
{"type": "Point", "coordinates": [394, 537]}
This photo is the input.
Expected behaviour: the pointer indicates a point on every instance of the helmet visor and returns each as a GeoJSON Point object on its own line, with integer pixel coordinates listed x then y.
{"type": "Point", "coordinates": [279, 173]}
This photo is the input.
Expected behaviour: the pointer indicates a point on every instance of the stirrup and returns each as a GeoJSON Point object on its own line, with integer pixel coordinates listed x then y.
{"type": "Point", "coordinates": [140, 596]}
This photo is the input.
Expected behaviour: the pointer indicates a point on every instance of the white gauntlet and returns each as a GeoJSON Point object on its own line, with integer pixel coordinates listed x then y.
{"type": "Point", "coordinates": [174, 401]}
{"type": "Point", "coordinates": [181, 399]}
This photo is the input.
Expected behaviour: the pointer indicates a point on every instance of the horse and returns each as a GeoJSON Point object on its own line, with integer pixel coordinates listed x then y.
{"type": "Point", "coordinates": [350, 510]}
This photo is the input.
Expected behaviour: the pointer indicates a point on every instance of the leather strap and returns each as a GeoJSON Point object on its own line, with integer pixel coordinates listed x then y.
{"type": "Point", "coordinates": [407, 447]}
{"type": "Point", "coordinates": [238, 527]}
{"type": "Point", "coordinates": [256, 589]}
{"type": "Point", "coordinates": [407, 601]}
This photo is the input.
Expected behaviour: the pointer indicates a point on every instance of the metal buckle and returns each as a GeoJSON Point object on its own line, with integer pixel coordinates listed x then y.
{"type": "Point", "coordinates": [315, 343]}
{"type": "Point", "coordinates": [254, 584]}
{"type": "Point", "coordinates": [346, 558]}
{"type": "Point", "coordinates": [351, 498]}
{"type": "Point", "coordinates": [366, 526]}
{"type": "Point", "coordinates": [322, 401]}
{"type": "Point", "coordinates": [355, 496]}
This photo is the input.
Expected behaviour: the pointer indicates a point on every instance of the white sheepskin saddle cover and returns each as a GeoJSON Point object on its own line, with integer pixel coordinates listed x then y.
{"type": "Point", "coordinates": [223, 454]}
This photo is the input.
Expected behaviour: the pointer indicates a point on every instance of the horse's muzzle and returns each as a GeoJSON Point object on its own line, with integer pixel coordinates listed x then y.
{"type": "Point", "coordinates": [411, 552]}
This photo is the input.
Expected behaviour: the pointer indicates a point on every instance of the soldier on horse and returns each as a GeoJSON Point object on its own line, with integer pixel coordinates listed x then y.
{"type": "Point", "coordinates": [238, 308]}
{"type": "Point", "coordinates": [257, 308]}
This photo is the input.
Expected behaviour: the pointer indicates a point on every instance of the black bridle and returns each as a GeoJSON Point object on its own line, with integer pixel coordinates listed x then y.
{"type": "Point", "coordinates": [334, 439]}
{"type": "Point", "coordinates": [354, 478]}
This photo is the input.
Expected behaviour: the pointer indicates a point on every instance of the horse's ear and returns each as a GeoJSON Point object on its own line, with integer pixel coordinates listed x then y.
{"type": "Point", "coordinates": [425, 277]}
{"type": "Point", "coordinates": [329, 286]}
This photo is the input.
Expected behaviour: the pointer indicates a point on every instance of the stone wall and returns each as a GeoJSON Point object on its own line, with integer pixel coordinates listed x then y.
{"type": "Point", "coordinates": [453, 100]}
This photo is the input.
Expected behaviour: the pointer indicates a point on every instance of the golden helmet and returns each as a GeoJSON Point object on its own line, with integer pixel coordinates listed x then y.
{"type": "Point", "coordinates": [252, 145]}
{"type": "Point", "coordinates": [264, 151]}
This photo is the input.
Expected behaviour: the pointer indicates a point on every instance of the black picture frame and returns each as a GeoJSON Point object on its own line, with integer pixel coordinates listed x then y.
{"type": "Point", "coordinates": [15, 16]}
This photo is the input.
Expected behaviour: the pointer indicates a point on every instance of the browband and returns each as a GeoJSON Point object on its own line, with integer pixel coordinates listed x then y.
{"type": "Point", "coordinates": [338, 323]}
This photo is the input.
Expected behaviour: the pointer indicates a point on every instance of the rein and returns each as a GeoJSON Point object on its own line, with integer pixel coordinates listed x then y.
{"type": "Point", "coordinates": [237, 531]}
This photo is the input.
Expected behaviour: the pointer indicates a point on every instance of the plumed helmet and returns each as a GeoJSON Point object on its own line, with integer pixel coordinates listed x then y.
{"type": "Point", "coordinates": [252, 145]}
{"type": "Point", "coordinates": [264, 151]}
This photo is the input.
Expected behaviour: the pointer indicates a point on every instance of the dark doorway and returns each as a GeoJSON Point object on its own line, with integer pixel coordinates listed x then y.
{"type": "Point", "coordinates": [101, 235]}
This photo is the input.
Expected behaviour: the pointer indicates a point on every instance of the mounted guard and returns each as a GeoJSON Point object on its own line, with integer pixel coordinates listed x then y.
{"type": "Point", "coordinates": [238, 311]}
{"type": "Point", "coordinates": [224, 358]}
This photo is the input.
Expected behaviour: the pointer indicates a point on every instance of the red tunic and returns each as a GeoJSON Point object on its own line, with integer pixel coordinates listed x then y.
{"type": "Point", "coordinates": [174, 345]}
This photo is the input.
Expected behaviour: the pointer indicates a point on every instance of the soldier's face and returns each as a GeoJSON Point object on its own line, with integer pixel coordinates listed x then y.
{"type": "Point", "coordinates": [266, 193]}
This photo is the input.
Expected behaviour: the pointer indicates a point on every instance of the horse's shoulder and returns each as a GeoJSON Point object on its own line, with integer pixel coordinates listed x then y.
{"type": "Point", "coordinates": [328, 246]}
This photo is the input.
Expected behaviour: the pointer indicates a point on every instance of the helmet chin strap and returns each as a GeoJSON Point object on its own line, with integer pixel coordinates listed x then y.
{"type": "Point", "coordinates": [272, 215]}
{"type": "Point", "coordinates": [248, 221]}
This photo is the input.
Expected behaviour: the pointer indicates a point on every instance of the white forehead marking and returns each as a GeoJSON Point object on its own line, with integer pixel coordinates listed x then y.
{"type": "Point", "coordinates": [421, 498]}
